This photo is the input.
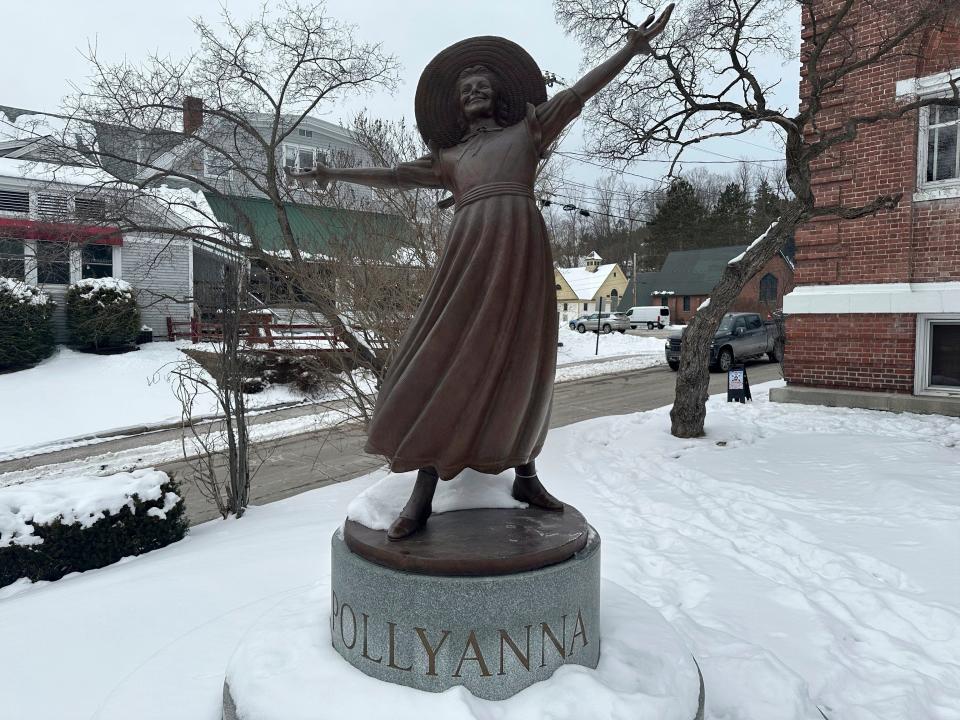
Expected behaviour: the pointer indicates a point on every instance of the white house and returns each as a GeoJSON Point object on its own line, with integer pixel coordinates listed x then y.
{"type": "Point", "coordinates": [581, 289]}
{"type": "Point", "coordinates": [56, 226]}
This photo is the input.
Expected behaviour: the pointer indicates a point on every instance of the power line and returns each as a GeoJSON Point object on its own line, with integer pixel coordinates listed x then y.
{"type": "Point", "coordinates": [587, 211]}
{"type": "Point", "coordinates": [732, 161]}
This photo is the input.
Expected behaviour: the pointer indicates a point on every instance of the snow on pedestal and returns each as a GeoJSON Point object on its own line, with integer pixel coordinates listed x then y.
{"type": "Point", "coordinates": [378, 506]}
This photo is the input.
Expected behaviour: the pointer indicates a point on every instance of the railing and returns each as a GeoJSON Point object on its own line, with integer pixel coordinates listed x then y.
{"type": "Point", "coordinates": [261, 329]}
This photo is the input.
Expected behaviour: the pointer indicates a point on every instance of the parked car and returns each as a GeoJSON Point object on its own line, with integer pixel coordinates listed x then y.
{"type": "Point", "coordinates": [583, 318]}
{"type": "Point", "coordinates": [650, 315]}
{"type": "Point", "coordinates": [740, 336]}
{"type": "Point", "coordinates": [606, 322]}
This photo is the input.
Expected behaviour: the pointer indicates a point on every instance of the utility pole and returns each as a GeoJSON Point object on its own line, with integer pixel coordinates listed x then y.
{"type": "Point", "coordinates": [599, 319]}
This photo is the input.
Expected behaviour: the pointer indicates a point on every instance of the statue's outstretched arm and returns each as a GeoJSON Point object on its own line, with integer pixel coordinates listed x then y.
{"type": "Point", "coordinates": [405, 176]}
{"type": "Point", "coordinates": [638, 43]}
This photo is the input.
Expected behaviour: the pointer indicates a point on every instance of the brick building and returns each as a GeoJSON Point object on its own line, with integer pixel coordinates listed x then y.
{"type": "Point", "coordinates": [875, 318]}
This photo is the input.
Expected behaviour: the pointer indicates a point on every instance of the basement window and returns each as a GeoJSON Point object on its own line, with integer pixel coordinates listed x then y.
{"type": "Point", "coordinates": [937, 369]}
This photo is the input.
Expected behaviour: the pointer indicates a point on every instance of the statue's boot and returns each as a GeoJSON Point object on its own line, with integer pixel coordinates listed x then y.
{"type": "Point", "coordinates": [528, 488]}
{"type": "Point", "coordinates": [418, 508]}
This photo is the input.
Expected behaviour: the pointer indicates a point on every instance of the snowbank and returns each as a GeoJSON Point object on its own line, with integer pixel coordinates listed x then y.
{"type": "Point", "coordinates": [96, 393]}
{"type": "Point", "coordinates": [77, 500]}
{"type": "Point", "coordinates": [807, 556]}
{"type": "Point", "coordinates": [579, 347]}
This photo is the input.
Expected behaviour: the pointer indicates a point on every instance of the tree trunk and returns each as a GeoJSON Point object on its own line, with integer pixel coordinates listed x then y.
{"type": "Point", "coordinates": [693, 379]}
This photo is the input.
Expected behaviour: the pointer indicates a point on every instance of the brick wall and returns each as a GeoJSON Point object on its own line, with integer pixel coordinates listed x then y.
{"type": "Point", "coordinates": [911, 243]}
{"type": "Point", "coordinates": [863, 352]}
{"type": "Point", "coordinates": [917, 242]}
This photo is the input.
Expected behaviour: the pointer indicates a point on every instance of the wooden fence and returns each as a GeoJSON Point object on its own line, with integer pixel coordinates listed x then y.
{"type": "Point", "coordinates": [261, 330]}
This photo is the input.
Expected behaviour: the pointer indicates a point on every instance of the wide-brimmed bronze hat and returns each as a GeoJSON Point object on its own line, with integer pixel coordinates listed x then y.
{"type": "Point", "coordinates": [437, 101]}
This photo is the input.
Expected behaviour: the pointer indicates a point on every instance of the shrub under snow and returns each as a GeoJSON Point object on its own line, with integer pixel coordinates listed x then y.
{"type": "Point", "coordinates": [102, 313]}
{"type": "Point", "coordinates": [26, 325]}
{"type": "Point", "coordinates": [50, 528]}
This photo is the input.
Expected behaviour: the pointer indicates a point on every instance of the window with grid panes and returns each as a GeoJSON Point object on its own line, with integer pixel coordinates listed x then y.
{"type": "Point", "coordinates": [12, 258]}
{"type": "Point", "coordinates": [53, 263]}
{"type": "Point", "coordinates": [943, 151]}
{"type": "Point", "coordinates": [96, 261]}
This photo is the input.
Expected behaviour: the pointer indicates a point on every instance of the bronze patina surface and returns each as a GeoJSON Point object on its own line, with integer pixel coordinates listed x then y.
{"type": "Point", "coordinates": [477, 542]}
{"type": "Point", "coordinates": [471, 383]}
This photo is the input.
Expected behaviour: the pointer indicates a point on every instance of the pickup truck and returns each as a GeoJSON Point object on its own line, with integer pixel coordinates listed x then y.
{"type": "Point", "coordinates": [741, 336]}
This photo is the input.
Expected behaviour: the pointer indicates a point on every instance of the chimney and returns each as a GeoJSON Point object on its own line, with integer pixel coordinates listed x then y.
{"type": "Point", "coordinates": [192, 114]}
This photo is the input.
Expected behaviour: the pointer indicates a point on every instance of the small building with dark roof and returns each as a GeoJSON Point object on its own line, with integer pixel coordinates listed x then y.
{"type": "Point", "coordinates": [688, 277]}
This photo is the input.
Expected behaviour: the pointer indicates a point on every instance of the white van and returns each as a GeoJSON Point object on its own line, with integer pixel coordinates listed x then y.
{"type": "Point", "coordinates": [653, 316]}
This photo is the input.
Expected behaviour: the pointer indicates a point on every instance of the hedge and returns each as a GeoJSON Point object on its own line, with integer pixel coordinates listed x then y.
{"type": "Point", "coordinates": [26, 325]}
{"type": "Point", "coordinates": [102, 313]}
{"type": "Point", "coordinates": [52, 547]}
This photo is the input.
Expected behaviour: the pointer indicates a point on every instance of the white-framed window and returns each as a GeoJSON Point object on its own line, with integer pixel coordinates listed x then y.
{"type": "Point", "coordinates": [937, 370]}
{"type": "Point", "coordinates": [216, 165]}
{"type": "Point", "coordinates": [938, 155]}
{"type": "Point", "coordinates": [301, 157]}
{"type": "Point", "coordinates": [96, 261]}
{"type": "Point", "coordinates": [53, 263]}
{"type": "Point", "coordinates": [942, 149]}
{"type": "Point", "coordinates": [13, 258]}
{"type": "Point", "coordinates": [61, 263]}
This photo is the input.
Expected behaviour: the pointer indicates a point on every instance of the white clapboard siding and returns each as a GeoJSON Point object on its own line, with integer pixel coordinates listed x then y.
{"type": "Point", "coordinates": [160, 270]}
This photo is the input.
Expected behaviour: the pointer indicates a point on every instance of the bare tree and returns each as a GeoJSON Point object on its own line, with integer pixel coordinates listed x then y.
{"type": "Point", "coordinates": [705, 80]}
{"type": "Point", "coordinates": [213, 124]}
{"type": "Point", "coordinates": [208, 445]}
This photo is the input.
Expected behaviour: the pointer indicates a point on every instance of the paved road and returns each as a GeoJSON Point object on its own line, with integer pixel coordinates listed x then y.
{"type": "Point", "coordinates": [313, 460]}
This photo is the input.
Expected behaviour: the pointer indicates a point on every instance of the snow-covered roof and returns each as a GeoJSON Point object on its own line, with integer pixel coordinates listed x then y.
{"type": "Point", "coordinates": [81, 175]}
{"type": "Point", "coordinates": [191, 144]}
{"type": "Point", "coordinates": [190, 212]}
{"type": "Point", "coordinates": [585, 283]}
{"type": "Point", "coordinates": [594, 256]}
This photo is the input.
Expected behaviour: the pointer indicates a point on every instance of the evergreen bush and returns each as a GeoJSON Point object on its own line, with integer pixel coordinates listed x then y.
{"type": "Point", "coordinates": [102, 313]}
{"type": "Point", "coordinates": [26, 325]}
{"type": "Point", "coordinates": [68, 548]}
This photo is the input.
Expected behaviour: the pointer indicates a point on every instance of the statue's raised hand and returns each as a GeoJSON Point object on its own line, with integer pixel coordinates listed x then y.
{"type": "Point", "coordinates": [640, 37]}
{"type": "Point", "coordinates": [320, 174]}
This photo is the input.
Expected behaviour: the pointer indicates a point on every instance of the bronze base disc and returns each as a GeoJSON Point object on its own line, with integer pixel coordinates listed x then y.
{"type": "Point", "coordinates": [487, 541]}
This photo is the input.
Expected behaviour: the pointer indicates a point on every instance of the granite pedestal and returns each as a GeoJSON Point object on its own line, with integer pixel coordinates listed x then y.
{"type": "Point", "coordinates": [493, 634]}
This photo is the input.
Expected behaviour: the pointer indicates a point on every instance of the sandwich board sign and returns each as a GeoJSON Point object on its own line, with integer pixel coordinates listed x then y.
{"type": "Point", "coordinates": [738, 385]}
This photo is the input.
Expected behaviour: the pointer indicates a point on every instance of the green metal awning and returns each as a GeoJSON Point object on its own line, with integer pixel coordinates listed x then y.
{"type": "Point", "coordinates": [317, 230]}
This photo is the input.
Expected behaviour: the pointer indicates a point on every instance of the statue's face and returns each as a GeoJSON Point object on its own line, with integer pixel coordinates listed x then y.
{"type": "Point", "coordinates": [477, 97]}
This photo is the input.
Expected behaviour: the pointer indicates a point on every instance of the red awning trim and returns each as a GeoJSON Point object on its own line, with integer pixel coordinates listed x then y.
{"type": "Point", "coordinates": [62, 232]}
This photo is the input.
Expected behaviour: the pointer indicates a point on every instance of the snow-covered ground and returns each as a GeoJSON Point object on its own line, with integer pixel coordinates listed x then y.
{"type": "Point", "coordinates": [579, 347]}
{"type": "Point", "coordinates": [73, 394]}
{"type": "Point", "coordinates": [93, 394]}
{"type": "Point", "coordinates": [808, 556]}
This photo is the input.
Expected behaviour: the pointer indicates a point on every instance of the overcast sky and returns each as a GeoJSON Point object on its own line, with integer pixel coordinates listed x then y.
{"type": "Point", "coordinates": [45, 39]}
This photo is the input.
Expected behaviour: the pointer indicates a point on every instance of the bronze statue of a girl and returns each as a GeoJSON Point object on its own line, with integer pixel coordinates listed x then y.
{"type": "Point", "coordinates": [472, 383]}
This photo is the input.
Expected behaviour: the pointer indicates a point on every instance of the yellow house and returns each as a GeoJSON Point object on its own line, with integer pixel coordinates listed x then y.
{"type": "Point", "coordinates": [580, 289]}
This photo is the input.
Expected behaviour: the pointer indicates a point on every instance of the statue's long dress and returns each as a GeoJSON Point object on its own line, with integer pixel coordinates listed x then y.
{"type": "Point", "coordinates": [472, 383]}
